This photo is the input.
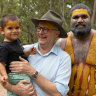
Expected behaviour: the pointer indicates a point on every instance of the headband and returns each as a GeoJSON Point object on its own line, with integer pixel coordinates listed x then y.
{"type": "Point", "coordinates": [80, 11]}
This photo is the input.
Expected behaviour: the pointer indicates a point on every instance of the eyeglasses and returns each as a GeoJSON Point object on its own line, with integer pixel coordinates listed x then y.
{"type": "Point", "coordinates": [44, 29]}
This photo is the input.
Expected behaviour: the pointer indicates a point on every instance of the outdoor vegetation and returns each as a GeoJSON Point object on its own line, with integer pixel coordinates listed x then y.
{"type": "Point", "coordinates": [27, 9]}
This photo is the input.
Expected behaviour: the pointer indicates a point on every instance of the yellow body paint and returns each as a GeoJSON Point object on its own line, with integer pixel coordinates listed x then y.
{"type": "Point", "coordinates": [80, 11]}
{"type": "Point", "coordinates": [47, 24]}
{"type": "Point", "coordinates": [12, 24]}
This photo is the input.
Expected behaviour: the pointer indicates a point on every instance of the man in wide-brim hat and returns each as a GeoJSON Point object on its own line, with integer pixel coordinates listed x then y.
{"type": "Point", "coordinates": [51, 67]}
{"type": "Point", "coordinates": [54, 19]}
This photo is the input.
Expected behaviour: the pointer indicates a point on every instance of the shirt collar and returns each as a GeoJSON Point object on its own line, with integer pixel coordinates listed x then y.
{"type": "Point", "coordinates": [53, 50]}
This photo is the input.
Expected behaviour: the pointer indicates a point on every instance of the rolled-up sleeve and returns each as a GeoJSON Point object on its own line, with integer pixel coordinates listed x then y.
{"type": "Point", "coordinates": [63, 75]}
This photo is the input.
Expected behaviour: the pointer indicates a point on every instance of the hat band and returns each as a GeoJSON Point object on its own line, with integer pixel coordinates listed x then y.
{"type": "Point", "coordinates": [80, 11]}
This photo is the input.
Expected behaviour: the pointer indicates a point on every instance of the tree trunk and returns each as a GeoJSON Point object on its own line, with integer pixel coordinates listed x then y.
{"type": "Point", "coordinates": [2, 6]}
{"type": "Point", "coordinates": [93, 16]}
{"type": "Point", "coordinates": [7, 5]}
{"type": "Point", "coordinates": [61, 5]}
{"type": "Point", "coordinates": [64, 21]}
{"type": "Point", "coordinates": [51, 4]}
{"type": "Point", "coordinates": [30, 36]}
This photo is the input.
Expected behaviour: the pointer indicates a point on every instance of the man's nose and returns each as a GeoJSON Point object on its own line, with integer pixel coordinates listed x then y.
{"type": "Point", "coordinates": [41, 31]}
{"type": "Point", "coordinates": [80, 19]}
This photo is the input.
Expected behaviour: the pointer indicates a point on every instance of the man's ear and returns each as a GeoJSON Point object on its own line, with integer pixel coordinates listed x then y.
{"type": "Point", "coordinates": [57, 33]}
{"type": "Point", "coordinates": [1, 31]}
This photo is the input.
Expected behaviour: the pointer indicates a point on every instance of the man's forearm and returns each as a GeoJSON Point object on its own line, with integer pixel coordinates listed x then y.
{"type": "Point", "coordinates": [21, 89]}
{"type": "Point", "coordinates": [47, 86]}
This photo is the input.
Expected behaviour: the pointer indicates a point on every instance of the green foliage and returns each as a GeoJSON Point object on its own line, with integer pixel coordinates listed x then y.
{"type": "Point", "coordinates": [27, 9]}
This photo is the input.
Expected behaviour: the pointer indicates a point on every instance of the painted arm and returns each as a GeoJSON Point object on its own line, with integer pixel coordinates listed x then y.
{"type": "Point", "coordinates": [61, 42]}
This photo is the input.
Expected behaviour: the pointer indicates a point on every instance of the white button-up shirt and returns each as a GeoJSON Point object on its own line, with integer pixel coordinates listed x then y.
{"type": "Point", "coordinates": [55, 66]}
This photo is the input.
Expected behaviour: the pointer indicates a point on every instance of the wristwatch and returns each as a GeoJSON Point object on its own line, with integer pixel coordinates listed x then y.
{"type": "Point", "coordinates": [34, 75]}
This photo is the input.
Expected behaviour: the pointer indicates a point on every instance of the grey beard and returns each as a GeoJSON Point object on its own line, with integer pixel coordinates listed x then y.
{"type": "Point", "coordinates": [79, 32]}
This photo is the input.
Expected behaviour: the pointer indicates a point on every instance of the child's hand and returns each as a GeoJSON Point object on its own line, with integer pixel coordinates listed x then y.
{"type": "Point", "coordinates": [30, 51]}
{"type": "Point", "coordinates": [4, 79]}
{"type": "Point", "coordinates": [33, 50]}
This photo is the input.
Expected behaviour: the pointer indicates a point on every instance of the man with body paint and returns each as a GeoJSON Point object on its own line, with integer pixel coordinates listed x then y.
{"type": "Point", "coordinates": [81, 46]}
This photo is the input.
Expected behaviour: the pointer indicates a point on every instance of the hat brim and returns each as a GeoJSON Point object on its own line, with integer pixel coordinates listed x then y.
{"type": "Point", "coordinates": [63, 33]}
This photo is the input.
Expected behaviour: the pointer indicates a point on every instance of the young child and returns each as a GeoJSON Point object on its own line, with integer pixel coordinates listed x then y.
{"type": "Point", "coordinates": [11, 49]}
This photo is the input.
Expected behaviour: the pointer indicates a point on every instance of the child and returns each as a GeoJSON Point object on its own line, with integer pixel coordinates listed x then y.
{"type": "Point", "coordinates": [11, 49]}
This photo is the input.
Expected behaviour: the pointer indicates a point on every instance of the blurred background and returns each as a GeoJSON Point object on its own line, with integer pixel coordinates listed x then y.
{"type": "Point", "coordinates": [27, 9]}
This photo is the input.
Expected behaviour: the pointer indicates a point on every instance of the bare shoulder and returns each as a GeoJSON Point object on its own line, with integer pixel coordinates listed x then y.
{"type": "Point", "coordinates": [93, 31]}
{"type": "Point", "coordinates": [61, 41]}
{"type": "Point", "coordinates": [71, 34]}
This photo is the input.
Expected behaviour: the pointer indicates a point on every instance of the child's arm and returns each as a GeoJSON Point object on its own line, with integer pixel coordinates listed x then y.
{"type": "Point", "coordinates": [3, 73]}
{"type": "Point", "coordinates": [30, 51]}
